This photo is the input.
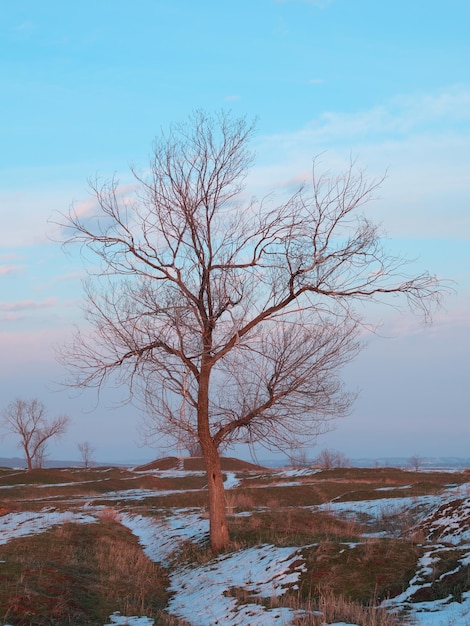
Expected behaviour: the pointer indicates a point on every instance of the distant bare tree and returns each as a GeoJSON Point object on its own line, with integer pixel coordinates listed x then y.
{"type": "Point", "coordinates": [182, 440]}
{"type": "Point", "coordinates": [297, 457]}
{"type": "Point", "coordinates": [416, 461]}
{"type": "Point", "coordinates": [86, 452]}
{"type": "Point", "coordinates": [328, 459]}
{"type": "Point", "coordinates": [194, 448]}
{"type": "Point", "coordinates": [28, 420]}
{"type": "Point", "coordinates": [40, 456]}
{"type": "Point", "coordinates": [230, 319]}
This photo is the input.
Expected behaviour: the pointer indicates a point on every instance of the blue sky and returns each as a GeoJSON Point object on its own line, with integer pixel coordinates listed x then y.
{"type": "Point", "coordinates": [84, 90]}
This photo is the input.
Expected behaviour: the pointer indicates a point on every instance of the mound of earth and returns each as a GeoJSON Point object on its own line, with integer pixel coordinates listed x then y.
{"type": "Point", "coordinates": [196, 463]}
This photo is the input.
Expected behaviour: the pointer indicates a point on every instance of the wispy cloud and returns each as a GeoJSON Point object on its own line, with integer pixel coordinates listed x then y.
{"type": "Point", "coordinates": [85, 208]}
{"type": "Point", "coordinates": [11, 256]}
{"type": "Point", "coordinates": [420, 139]}
{"type": "Point", "coordinates": [25, 27]}
{"type": "Point", "coordinates": [399, 116]}
{"type": "Point", "coordinates": [66, 277]}
{"type": "Point", "coordinates": [27, 305]}
{"type": "Point", "coordinates": [11, 269]}
{"type": "Point", "coordinates": [64, 280]}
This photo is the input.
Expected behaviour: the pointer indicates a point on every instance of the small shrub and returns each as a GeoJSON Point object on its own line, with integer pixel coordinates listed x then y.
{"type": "Point", "coordinates": [109, 514]}
{"type": "Point", "coordinates": [235, 500]}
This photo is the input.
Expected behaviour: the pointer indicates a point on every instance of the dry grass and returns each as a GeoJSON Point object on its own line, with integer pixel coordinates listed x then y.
{"type": "Point", "coordinates": [79, 574]}
{"type": "Point", "coordinates": [82, 573]}
{"type": "Point", "coordinates": [365, 572]}
{"type": "Point", "coordinates": [326, 609]}
{"type": "Point", "coordinates": [292, 526]}
{"type": "Point", "coordinates": [329, 609]}
{"type": "Point", "coordinates": [236, 501]}
{"type": "Point", "coordinates": [109, 514]}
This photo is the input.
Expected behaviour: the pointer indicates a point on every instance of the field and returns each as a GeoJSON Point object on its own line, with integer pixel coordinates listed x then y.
{"type": "Point", "coordinates": [109, 545]}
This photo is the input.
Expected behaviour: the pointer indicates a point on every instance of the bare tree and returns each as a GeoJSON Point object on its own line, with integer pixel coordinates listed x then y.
{"type": "Point", "coordinates": [416, 461]}
{"type": "Point", "coordinates": [28, 420]}
{"type": "Point", "coordinates": [86, 452]}
{"type": "Point", "coordinates": [179, 439]}
{"type": "Point", "coordinates": [194, 448]}
{"type": "Point", "coordinates": [328, 459]}
{"type": "Point", "coordinates": [297, 457]}
{"type": "Point", "coordinates": [40, 456]}
{"type": "Point", "coordinates": [230, 318]}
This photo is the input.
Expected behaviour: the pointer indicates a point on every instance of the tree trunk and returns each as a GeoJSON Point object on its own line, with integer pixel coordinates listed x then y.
{"type": "Point", "coordinates": [219, 537]}
{"type": "Point", "coordinates": [29, 461]}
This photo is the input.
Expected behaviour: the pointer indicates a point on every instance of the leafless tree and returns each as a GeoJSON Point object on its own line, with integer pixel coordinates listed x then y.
{"type": "Point", "coordinates": [176, 438]}
{"type": "Point", "coordinates": [40, 456]}
{"type": "Point", "coordinates": [416, 462]}
{"type": "Point", "coordinates": [28, 420]}
{"type": "Point", "coordinates": [228, 317]}
{"type": "Point", "coordinates": [328, 459]}
{"type": "Point", "coordinates": [86, 452]}
{"type": "Point", "coordinates": [194, 448]}
{"type": "Point", "coordinates": [297, 457]}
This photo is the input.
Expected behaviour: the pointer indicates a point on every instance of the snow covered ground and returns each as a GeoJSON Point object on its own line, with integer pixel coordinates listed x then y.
{"type": "Point", "coordinates": [231, 580]}
{"type": "Point", "coordinates": [264, 571]}
{"type": "Point", "coordinates": [15, 525]}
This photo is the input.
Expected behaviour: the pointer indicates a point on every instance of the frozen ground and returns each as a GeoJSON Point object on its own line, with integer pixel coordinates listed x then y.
{"type": "Point", "coordinates": [267, 571]}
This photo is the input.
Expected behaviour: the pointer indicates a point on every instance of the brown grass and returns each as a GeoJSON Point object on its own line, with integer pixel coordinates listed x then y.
{"type": "Point", "coordinates": [328, 609]}
{"type": "Point", "coordinates": [196, 464]}
{"type": "Point", "coordinates": [372, 569]}
{"type": "Point", "coordinates": [82, 573]}
{"type": "Point", "coordinates": [291, 526]}
{"type": "Point", "coordinates": [79, 574]}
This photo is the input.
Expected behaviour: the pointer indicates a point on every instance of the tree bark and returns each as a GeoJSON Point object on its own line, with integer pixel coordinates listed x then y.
{"type": "Point", "coordinates": [219, 535]}
{"type": "Point", "coordinates": [29, 461]}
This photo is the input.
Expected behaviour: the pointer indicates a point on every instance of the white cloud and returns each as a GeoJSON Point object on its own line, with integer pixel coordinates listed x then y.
{"type": "Point", "coordinates": [402, 115]}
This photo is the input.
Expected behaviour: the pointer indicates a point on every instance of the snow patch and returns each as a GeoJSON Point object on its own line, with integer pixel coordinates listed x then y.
{"type": "Point", "coordinates": [160, 537]}
{"type": "Point", "coordinates": [263, 572]}
{"type": "Point", "coordinates": [14, 525]}
{"type": "Point", "coordinates": [121, 620]}
{"type": "Point", "coordinates": [231, 480]}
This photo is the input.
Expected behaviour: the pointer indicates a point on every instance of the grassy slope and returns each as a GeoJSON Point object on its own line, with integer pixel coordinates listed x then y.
{"type": "Point", "coordinates": [81, 573]}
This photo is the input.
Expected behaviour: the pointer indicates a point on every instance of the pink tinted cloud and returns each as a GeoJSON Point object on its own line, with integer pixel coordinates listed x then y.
{"type": "Point", "coordinates": [11, 269]}
{"type": "Point", "coordinates": [27, 305]}
{"type": "Point", "coordinates": [85, 208]}
{"type": "Point", "coordinates": [64, 278]}
{"type": "Point", "coordinates": [90, 207]}
{"type": "Point", "coordinates": [10, 256]}
{"type": "Point", "coordinates": [22, 305]}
